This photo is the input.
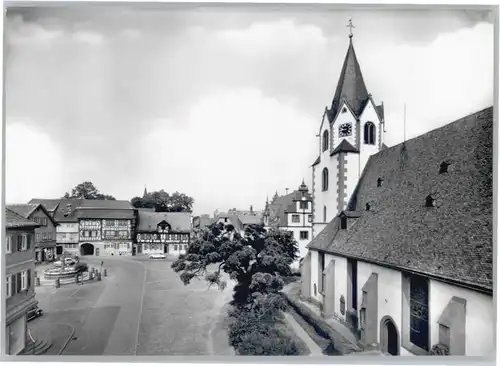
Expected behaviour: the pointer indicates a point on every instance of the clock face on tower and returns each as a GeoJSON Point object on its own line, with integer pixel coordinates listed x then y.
{"type": "Point", "coordinates": [345, 129]}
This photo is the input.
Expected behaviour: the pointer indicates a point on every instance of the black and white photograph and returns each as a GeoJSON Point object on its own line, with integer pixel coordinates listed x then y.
{"type": "Point", "coordinates": [248, 179]}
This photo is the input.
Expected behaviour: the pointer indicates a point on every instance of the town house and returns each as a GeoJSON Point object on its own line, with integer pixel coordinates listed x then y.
{"type": "Point", "coordinates": [19, 280]}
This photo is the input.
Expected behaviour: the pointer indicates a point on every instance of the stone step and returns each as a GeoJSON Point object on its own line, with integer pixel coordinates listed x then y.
{"type": "Point", "coordinates": [38, 348]}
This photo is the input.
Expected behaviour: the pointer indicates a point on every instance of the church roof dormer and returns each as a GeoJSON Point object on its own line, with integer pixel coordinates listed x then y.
{"type": "Point", "coordinates": [351, 87]}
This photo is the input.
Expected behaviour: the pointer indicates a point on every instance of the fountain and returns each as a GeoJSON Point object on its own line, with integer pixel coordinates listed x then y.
{"type": "Point", "coordinates": [65, 271]}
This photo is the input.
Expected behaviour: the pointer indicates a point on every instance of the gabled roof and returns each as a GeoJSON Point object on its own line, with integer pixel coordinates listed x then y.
{"type": "Point", "coordinates": [94, 213]}
{"type": "Point", "coordinates": [351, 87]}
{"type": "Point", "coordinates": [66, 210]}
{"type": "Point", "coordinates": [250, 219]}
{"type": "Point", "coordinates": [344, 146]}
{"type": "Point", "coordinates": [27, 209]}
{"type": "Point", "coordinates": [180, 222]}
{"type": "Point", "coordinates": [14, 220]}
{"type": "Point", "coordinates": [452, 241]}
{"type": "Point", "coordinates": [49, 204]}
{"type": "Point", "coordinates": [106, 204]}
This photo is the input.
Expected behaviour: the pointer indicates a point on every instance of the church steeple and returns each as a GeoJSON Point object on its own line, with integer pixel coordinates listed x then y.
{"type": "Point", "coordinates": [351, 87]}
{"type": "Point", "coordinates": [145, 192]}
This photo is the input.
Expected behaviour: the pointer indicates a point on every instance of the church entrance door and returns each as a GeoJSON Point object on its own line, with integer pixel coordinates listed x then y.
{"type": "Point", "coordinates": [389, 337]}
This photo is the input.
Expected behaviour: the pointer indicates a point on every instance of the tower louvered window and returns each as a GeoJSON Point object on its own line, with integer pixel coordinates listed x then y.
{"type": "Point", "coordinates": [369, 133]}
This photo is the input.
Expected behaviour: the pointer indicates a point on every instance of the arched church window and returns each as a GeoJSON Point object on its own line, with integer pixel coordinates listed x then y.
{"type": "Point", "coordinates": [369, 135]}
{"type": "Point", "coordinates": [325, 140]}
{"type": "Point", "coordinates": [325, 179]}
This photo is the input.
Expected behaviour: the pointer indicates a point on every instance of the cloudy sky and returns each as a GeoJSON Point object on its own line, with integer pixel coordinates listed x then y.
{"type": "Point", "coordinates": [219, 102]}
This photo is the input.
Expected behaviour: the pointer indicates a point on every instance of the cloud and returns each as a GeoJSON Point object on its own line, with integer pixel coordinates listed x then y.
{"type": "Point", "coordinates": [235, 145]}
{"type": "Point", "coordinates": [33, 164]}
{"type": "Point", "coordinates": [88, 37]}
{"type": "Point", "coordinates": [20, 32]}
{"type": "Point", "coordinates": [439, 82]}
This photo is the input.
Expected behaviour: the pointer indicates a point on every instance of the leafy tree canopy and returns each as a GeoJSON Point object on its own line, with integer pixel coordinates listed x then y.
{"type": "Point", "coordinates": [87, 190]}
{"type": "Point", "coordinates": [256, 261]}
{"type": "Point", "coordinates": [162, 201]}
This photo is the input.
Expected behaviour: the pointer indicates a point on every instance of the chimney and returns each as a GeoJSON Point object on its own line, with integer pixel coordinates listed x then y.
{"type": "Point", "coordinates": [286, 190]}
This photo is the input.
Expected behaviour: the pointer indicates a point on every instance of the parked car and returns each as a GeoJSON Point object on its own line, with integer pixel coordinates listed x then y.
{"type": "Point", "coordinates": [68, 261]}
{"type": "Point", "coordinates": [34, 313]}
{"type": "Point", "coordinates": [157, 256]}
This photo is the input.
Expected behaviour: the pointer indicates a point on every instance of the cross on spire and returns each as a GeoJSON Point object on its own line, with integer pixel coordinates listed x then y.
{"type": "Point", "coordinates": [350, 26]}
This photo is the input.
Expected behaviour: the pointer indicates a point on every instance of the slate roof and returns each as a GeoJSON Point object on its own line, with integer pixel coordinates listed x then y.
{"type": "Point", "coordinates": [26, 209]}
{"type": "Point", "coordinates": [15, 221]}
{"type": "Point", "coordinates": [49, 204]}
{"type": "Point", "coordinates": [66, 210]}
{"type": "Point", "coordinates": [179, 222]}
{"type": "Point", "coordinates": [452, 241]}
{"type": "Point", "coordinates": [344, 146]}
{"type": "Point", "coordinates": [250, 219]}
{"type": "Point", "coordinates": [281, 205]}
{"type": "Point", "coordinates": [351, 87]}
{"type": "Point", "coordinates": [107, 204]}
{"type": "Point", "coordinates": [105, 214]}
{"type": "Point", "coordinates": [23, 209]}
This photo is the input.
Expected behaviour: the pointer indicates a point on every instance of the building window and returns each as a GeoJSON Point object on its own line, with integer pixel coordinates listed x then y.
{"type": "Point", "coordinates": [343, 222]}
{"type": "Point", "coordinates": [369, 137]}
{"type": "Point", "coordinates": [324, 213]}
{"type": "Point", "coordinates": [24, 242]}
{"type": "Point", "coordinates": [325, 140]}
{"type": "Point", "coordinates": [44, 220]}
{"type": "Point", "coordinates": [24, 280]}
{"type": "Point", "coordinates": [419, 312]}
{"type": "Point", "coordinates": [304, 235]}
{"type": "Point", "coordinates": [367, 207]}
{"type": "Point", "coordinates": [8, 248]}
{"type": "Point", "coordinates": [9, 285]}
{"type": "Point", "coordinates": [325, 179]}
{"type": "Point", "coordinates": [185, 247]}
{"type": "Point", "coordinates": [309, 218]}
{"type": "Point", "coordinates": [295, 219]}
{"type": "Point", "coordinates": [303, 205]}
{"type": "Point", "coordinates": [322, 269]}
{"type": "Point", "coordinates": [175, 246]}
{"type": "Point", "coordinates": [379, 182]}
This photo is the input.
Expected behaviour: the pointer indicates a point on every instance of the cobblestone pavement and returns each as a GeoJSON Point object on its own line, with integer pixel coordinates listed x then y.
{"type": "Point", "coordinates": [142, 308]}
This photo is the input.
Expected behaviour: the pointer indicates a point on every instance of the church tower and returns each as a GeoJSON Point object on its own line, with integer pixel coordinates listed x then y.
{"type": "Point", "coordinates": [351, 130]}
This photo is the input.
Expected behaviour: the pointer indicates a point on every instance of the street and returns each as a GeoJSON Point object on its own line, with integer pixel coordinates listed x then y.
{"type": "Point", "coordinates": [140, 308]}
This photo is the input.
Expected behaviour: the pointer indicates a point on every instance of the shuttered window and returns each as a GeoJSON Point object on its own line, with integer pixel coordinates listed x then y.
{"type": "Point", "coordinates": [18, 283]}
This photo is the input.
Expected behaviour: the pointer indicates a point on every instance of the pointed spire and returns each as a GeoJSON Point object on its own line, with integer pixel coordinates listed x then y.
{"type": "Point", "coordinates": [351, 87]}
{"type": "Point", "coordinates": [145, 192]}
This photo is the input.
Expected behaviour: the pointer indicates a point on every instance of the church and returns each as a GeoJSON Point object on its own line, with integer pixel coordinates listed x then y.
{"type": "Point", "coordinates": [402, 247]}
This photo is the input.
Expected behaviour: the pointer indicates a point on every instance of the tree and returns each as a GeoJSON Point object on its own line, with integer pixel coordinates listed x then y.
{"type": "Point", "coordinates": [256, 261]}
{"type": "Point", "coordinates": [162, 201]}
{"type": "Point", "coordinates": [87, 190]}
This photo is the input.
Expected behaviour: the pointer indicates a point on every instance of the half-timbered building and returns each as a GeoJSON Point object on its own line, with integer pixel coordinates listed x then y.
{"type": "Point", "coordinates": [163, 232]}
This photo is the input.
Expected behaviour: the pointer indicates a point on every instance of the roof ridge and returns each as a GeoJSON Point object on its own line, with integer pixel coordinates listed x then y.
{"type": "Point", "coordinates": [435, 129]}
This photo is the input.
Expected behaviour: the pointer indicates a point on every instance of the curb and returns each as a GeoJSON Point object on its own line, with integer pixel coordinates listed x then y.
{"type": "Point", "coordinates": [67, 340]}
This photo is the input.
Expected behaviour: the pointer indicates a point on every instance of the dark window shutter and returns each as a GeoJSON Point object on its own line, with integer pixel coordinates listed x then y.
{"type": "Point", "coordinates": [28, 274]}
{"type": "Point", "coordinates": [12, 285]}
{"type": "Point", "coordinates": [18, 282]}
{"type": "Point", "coordinates": [19, 242]}
{"type": "Point", "coordinates": [13, 243]}
{"type": "Point", "coordinates": [28, 241]}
